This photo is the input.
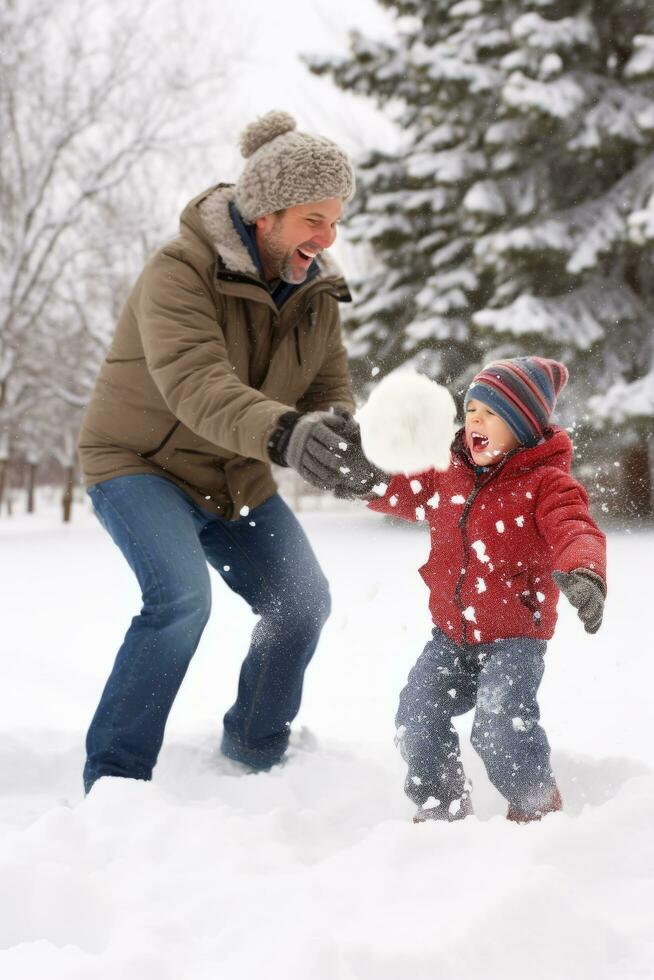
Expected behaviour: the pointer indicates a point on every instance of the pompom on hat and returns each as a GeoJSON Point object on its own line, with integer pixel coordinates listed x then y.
{"type": "Point", "coordinates": [522, 391]}
{"type": "Point", "coordinates": [284, 168]}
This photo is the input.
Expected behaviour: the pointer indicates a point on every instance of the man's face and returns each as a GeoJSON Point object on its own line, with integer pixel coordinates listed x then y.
{"type": "Point", "coordinates": [488, 437]}
{"type": "Point", "coordinates": [289, 240]}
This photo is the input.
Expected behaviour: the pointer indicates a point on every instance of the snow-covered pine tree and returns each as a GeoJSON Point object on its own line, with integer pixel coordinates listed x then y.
{"type": "Point", "coordinates": [569, 247]}
{"type": "Point", "coordinates": [441, 81]}
{"type": "Point", "coordinates": [520, 216]}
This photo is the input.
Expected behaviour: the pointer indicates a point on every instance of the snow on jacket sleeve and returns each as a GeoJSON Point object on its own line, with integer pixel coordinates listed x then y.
{"type": "Point", "coordinates": [188, 360]}
{"type": "Point", "coordinates": [407, 496]}
{"type": "Point", "coordinates": [564, 522]}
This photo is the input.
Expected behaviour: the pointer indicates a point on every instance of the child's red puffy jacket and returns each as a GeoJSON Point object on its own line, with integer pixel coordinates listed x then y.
{"type": "Point", "coordinates": [497, 536]}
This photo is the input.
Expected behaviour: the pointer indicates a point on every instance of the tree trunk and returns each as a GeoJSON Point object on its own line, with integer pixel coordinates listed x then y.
{"type": "Point", "coordinates": [67, 498]}
{"type": "Point", "coordinates": [4, 470]}
{"type": "Point", "coordinates": [637, 481]}
{"type": "Point", "coordinates": [31, 484]}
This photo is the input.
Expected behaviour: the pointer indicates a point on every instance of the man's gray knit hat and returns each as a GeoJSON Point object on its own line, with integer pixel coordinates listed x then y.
{"type": "Point", "coordinates": [285, 168]}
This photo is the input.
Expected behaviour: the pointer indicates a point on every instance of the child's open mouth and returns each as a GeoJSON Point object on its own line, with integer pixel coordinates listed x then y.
{"type": "Point", "coordinates": [479, 442]}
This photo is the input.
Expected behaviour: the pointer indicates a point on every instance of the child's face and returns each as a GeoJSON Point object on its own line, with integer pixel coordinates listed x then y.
{"type": "Point", "coordinates": [488, 437]}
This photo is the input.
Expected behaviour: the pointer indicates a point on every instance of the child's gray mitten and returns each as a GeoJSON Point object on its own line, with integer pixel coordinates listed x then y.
{"type": "Point", "coordinates": [585, 591]}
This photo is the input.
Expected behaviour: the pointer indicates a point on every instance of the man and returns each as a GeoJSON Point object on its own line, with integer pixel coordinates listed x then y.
{"type": "Point", "coordinates": [227, 356]}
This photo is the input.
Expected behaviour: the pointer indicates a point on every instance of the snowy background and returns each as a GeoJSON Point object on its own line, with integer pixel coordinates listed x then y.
{"type": "Point", "coordinates": [505, 192]}
{"type": "Point", "coordinates": [315, 869]}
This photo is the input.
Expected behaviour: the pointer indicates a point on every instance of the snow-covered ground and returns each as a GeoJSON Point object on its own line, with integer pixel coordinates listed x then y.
{"type": "Point", "coordinates": [313, 871]}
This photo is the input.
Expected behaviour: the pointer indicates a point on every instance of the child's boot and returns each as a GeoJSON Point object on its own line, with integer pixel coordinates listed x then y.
{"type": "Point", "coordinates": [552, 805]}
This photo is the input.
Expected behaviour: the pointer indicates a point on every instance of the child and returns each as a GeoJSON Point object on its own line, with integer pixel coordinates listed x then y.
{"type": "Point", "coordinates": [508, 525]}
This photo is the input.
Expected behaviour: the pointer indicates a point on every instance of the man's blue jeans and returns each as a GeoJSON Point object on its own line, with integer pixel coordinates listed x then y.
{"type": "Point", "coordinates": [266, 558]}
{"type": "Point", "coordinates": [500, 681]}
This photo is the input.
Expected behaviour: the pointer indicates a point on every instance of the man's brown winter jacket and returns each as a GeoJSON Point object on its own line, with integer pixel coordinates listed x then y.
{"type": "Point", "coordinates": [202, 364]}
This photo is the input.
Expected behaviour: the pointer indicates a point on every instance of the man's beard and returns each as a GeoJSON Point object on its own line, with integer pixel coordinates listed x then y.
{"type": "Point", "coordinates": [279, 260]}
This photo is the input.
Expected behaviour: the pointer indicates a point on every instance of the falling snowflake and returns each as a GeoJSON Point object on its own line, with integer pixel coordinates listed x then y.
{"type": "Point", "coordinates": [499, 526]}
{"type": "Point", "coordinates": [416, 486]}
{"type": "Point", "coordinates": [520, 521]}
{"type": "Point", "coordinates": [434, 501]}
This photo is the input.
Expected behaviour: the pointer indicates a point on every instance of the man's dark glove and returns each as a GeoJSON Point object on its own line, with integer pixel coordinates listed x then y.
{"type": "Point", "coordinates": [585, 591]}
{"type": "Point", "coordinates": [325, 449]}
{"type": "Point", "coordinates": [309, 443]}
{"type": "Point", "coordinates": [359, 475]}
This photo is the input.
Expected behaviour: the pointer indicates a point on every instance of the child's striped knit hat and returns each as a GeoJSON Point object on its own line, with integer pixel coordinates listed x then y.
{"type": "Point", "coordinates": [522, 391]}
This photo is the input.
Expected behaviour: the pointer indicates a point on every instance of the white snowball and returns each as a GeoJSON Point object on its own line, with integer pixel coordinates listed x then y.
{"type": "Point", "coordinates": [407, 425]}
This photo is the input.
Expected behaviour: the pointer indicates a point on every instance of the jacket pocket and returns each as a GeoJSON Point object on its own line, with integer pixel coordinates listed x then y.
{"type": "Point", "coordinates": [153, 452]}
{"type": "Point", "coordinates": [524, 589]}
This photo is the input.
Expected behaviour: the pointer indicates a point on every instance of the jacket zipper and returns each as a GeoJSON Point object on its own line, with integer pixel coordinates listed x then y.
{"type": "Point", "coordinates": [307, 309]}
{"type": "Point", "coordinates": [255, 380]}
{"type": "Point", "coordinates": [466, 556]}
{"type": "Point", "coordinates": [312, 317]}
{"type": "Point", "coordinates": [463, 524]}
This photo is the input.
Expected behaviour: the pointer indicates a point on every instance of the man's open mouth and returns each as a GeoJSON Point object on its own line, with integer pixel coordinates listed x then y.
{"type": "Point", "coordinates": [479, 441]}
{"type": "Point", "coordinates": [306, 254]}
